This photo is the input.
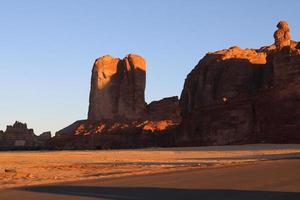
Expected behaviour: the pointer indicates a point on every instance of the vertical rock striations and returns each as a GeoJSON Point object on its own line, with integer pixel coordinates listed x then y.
{"type": "Point", "coordinates": [232, 96]}
{"type": "Point", "coordinates": [117, 88]}
{"type": "Point", "coordinates": [244, 95]}
{"type": "Point", "coordinates": [216, 102]}
{"type": "Point", "coordinates": [118, 115]}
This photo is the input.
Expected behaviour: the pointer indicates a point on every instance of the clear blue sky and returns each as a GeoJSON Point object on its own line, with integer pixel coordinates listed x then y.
{"type": "Point", "coordinates": [47, 48]}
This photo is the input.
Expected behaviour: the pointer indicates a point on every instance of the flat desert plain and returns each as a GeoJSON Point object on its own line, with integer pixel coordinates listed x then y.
{"type": "Point", "coordinates": [23, 168]}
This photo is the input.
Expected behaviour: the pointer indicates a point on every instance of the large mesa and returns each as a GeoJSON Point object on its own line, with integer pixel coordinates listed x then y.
{"type": "Point", "coordinates": [239, 95]}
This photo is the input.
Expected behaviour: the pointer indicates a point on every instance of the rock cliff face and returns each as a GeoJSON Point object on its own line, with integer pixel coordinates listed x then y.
{"type": "Point", "coordinates": [232, 96]}
{"type": "Point", "coordinates": [117, 88]}
{"type": "Point", "coordinates": [118, 115]}
{"type": "Point", "coordinates": [167, 108]}
{"type": "Point", "coordinates": [244, 95]}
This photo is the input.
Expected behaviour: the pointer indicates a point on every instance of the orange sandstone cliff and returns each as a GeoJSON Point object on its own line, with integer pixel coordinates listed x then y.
{"type": "Point", "coordinates": [237, 96]}
{"type": "Point", "coordinates": [232, 96]}
{"type": "Point", "coordinates": [118, 115]}
{"type": "Point", "coordinates": [117, 88]}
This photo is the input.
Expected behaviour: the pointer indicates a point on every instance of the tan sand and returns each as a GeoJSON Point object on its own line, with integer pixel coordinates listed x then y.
{"type": "Point", "coordinates": [40, 167]}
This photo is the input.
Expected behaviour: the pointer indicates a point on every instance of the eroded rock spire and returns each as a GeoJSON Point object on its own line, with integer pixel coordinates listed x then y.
{"type": "Point", "coordinates": [282, 36]}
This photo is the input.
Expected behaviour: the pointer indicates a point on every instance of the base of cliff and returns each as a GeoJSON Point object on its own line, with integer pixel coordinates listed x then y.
{"type": "Point", "coordinates": [107, 134]}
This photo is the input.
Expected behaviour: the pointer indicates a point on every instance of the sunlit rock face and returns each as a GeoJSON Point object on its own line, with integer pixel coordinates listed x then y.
{"type": "Point", "coordinates": [118, 114]}
{"type": "Point", "coordinates": [236, 96]}
{"type": "Point", "coordinates": [232, 96]}
{"type": "Point", "coordinates": [117, 88]}
{"type": "Point", "coordinates": [157, 126]}
{"type": "Point", "coordinates": [282, 36]}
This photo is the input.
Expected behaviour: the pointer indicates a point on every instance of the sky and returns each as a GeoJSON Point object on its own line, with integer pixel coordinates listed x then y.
{"type": "Point", "coordinates": [47, 48]}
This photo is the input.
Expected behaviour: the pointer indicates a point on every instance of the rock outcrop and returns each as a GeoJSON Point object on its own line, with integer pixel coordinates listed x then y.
{"type": "Point", "coordinates": [18, 136]}
{"type": "Point", "coordinates": [157, 127]}
{"type": "Point", "coordinates": [117, 88]}
{"type": "Point", "coordinates": [118, 115]}
{"type": "Point", "coordinates": [166, 108]}
{"type": "Point", "coordinates": [282, 36]}
{"type": "Point", "coordinates": [244, 95]}
{"type": "Point", "coordinates": [232, 96]}
{"type": "Point", "coordinates": [107, 134]}
{"type": "Point", "coordinates": [44, 138]}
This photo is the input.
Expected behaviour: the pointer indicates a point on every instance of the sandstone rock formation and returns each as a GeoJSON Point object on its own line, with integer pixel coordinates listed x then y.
{"type": "Point", "coordinates": [157, 127]}
{"type": "Point", "coordinates": [159, 115]}
{"type": "Point", "coordinates": [106, 134]}
{"type": "Point", "coordinates": [232, 96]}
{"type": "Point", "coordinates": [282, 36]}
{"type": "Point", "coordinates": [167, 108]}
{"type": "Point", "coordinates": [118, 115]}
{"type": "Point", "coordinates": [18, 136]}
{"type": "Point", "coordinates": [244, 95]}
{"type": "Point", "coordinates": [1, 138]}
{"type": "Point", "coordinates": [44, 137]}
{"type": "Point", "coordinates": [117, 88]}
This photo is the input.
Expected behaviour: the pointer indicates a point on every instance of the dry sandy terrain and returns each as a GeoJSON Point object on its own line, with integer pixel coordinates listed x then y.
{"type": "Point", "coordinates": [31, 168]}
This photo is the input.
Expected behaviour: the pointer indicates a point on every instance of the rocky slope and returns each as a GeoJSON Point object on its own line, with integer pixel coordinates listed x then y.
{"type": "Point", "coordinates": [244, 95]}
{"type": "Point", "coordinates": [157, 127]}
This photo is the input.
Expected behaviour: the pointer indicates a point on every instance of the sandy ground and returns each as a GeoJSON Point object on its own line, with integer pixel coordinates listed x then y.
{"type": "Point", "coordinates": [268, 180]}
{"type": "Point", "coordinates": [40, 167]}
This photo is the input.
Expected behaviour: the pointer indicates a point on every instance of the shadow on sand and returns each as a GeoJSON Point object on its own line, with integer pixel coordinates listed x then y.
{"type": "Point", "coordinates": [128, 193]}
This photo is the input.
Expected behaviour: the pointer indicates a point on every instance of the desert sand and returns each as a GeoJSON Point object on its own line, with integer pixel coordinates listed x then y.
{"type": "Point", "coordinates": [23, 168]}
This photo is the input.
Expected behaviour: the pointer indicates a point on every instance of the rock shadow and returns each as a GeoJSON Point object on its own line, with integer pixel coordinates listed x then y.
{"type": "Point", "coordinates": [128, 193]}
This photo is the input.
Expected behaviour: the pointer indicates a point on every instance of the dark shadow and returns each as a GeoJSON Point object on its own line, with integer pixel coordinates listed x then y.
{"type": "Point", "coordinates": [263, 157]}
{"type": "Point", "coordinates": [298, 45]}
{"type": "Point", "coordinates": [127, 193]}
